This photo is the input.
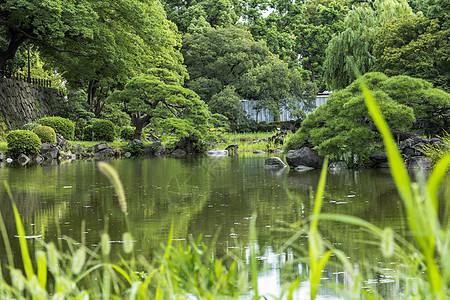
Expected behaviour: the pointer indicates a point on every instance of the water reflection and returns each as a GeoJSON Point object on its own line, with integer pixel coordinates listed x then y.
{"type": "Point", "coordinates": [209, 196]}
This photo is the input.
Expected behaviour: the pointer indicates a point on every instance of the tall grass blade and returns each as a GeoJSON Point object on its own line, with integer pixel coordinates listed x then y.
{"type": "Point", "coordinates": [421, 211]}
{"type": "Point", "coordinates": [113, 177]}
{"type": "Point", "coordinates": [316, 262]}
{"type": "Point", "coordinates": [9, 254]}
{"type": "Point", "coordinates": [253, 259]}
{"type": "Point", "coordinates": [28, 267]}
{"type": "Point", "coordinates": [439, 171]}
{"type": "Point", "coordinates": [41, 259]}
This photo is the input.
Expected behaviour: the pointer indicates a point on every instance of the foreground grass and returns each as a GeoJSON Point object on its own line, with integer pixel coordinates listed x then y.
{"type": "Point", "coordinates": [183, 272]}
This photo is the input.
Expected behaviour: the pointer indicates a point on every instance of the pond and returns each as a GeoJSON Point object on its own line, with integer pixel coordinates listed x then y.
{"type": "Point", "coordinates": [210, 196]}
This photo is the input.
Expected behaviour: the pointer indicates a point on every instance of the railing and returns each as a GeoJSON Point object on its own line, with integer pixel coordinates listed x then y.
{"type": "Point", "coordinates": [21, 77]}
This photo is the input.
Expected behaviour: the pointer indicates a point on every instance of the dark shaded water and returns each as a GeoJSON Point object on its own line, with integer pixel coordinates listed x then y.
{"type": "Point", "coordinates": [213, 197]}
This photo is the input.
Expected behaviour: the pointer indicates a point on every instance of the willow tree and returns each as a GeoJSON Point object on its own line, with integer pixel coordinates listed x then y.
{"type": "Point", "coordinates": [351, 51]}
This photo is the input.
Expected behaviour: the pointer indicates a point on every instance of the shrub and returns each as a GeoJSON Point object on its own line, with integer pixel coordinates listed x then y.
{"type": "Point", "coordinates": [127, 133]}
{"type": "Point", "coordinates": [23, 141]}
{"type": "Point", "coordinates": [87, 133]}
{"type": "Point", "coordinates": [30, 126]}
{"type": "Point", "coordinates": [104, 130]}
{"type": "Point", "coordinates": [46, 134]}
{"type": "Point", "coordinates": [63, 126]}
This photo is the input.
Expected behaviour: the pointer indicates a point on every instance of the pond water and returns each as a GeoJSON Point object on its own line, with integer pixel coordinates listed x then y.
{"type": "Point", "coordinates": [210, 196]}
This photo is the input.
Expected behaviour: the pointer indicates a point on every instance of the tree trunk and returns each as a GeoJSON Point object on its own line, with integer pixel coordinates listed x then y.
{"type": "Point", "coordinates": [139, 122]}
{"type": "Point", "coordinates": [16, 39]}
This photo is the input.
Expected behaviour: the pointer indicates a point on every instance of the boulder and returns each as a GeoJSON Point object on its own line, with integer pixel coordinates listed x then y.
{"type": "Point", "coordinates": [39, 158]}
{"type": "Point", "coordinates": [379, 160]}
{"type": "Point", "coordinates": [49, 151]}
{"type": "Point", "coordinates": [153, 148]}
{"type": "Point", "coordinates": [258, 152]}
{"type": "Point", "coordinates": [338, 165]}
{"type": "Point", "coordinates": [62, 142]}
{"type": "Point", "coordinates": [421, 162]}
{"type": "Point", "coordinates": [179, 153]}
{"type": "Point", "coordinates": [217, 152]}
{"type": "Point", "coordinates": [160, 150]}
{"type": "Point", "coordinates": [77, 149]}
{"type": "Point", "coordinates": [306, 157]}
{"type": "Point", "coordinates": [274, 162]}
{"type": "Point", "coordinates": [23, 159]}
{"type": "Point", "coordinates": [232, 148]}
{"type": "Point", "coordinates": [105, 154]}
{"type": "Point", "coordinates": [101, 147]}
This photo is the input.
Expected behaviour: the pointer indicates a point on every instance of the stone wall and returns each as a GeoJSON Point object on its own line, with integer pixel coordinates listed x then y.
{"type": "Point", "coordinates": [22, 103]}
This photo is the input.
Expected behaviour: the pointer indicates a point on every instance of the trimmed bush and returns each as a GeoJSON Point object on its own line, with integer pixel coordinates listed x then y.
{"type": "Point", "coordinates": [23, 141]}
{"type": "Point", "coordinates": [63, 126]}
{"type": "Point", "coordinates": [127, 133]}
{"type": "Point", "coordinates": [46, 134]}
{"type": "Point", "coordinates": [104, 130]}
{"type": "Point", "coordinates": [88, 135]}
{"type": "Point", "coordinates": [30, 126]}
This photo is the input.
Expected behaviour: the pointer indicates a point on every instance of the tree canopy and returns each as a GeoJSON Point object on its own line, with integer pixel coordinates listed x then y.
{"type": "Point", "coordinates": [342, 128]}
{"type": "Point", "coordinates": [351, 51]}
{"type": "Point", "coordinates": [414, 46]}
{"type": "Point", "coordinates": [157, 98]}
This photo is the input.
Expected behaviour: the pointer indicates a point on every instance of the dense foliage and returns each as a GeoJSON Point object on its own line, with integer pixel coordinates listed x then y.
{"type": "Point", "coordinates": [158, 99]}
{"type": "Point", "coordinates": [127, 133]}
{"type": "Point", "coordinates": [104, 130]}
{"type": "Point", "coordinates": [23, 141]}
{"type": "Point", "coordinates": [46, 134]}
{"type": "Point", "coordinates": [414, 46]}
{"type": "Point", "coordinates": [343, 129]}
{"type": "Point", "coordinates": [63, 126]}
{"type": "Point", "coordinates": [30, 126]}
{"type": "Point", "coordinates": [351, 51]}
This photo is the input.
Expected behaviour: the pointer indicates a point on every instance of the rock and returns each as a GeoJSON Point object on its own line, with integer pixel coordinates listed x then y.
{"type": "Point", "coordinates": [135, 141]}
{"type": "Point", "coordinates": [232, 148]}
{"type": "Point", "coordinates": [77, 149]}
{"type": "Point", "coordinates": [127, 154]}
{"type": "Point", "coordinates": [217, 152]}
{"type": "Point", "coordinates": [179, 153]}
{"type": "Point", "coordinates": [306, 157]}
{"type": "Point", "coordinates": [9, 160]}
{"type": "Point", "coordinates": [101, 147]}
{"type": "Point", "coordinates": [303, 168]}
{"type": "Point", "coordinates": [421, 162]}
{"type": "Point", "coordinates": [23, 159]}
{"type": "Point", "coordinates": [274, 162]}
{"type": "Point", "coordinates": [338, 165]}
{"type": "Point", "coordinates": [105, 154]}
{"type": "Point", "coordinates": [49, 151]}
{"type": "Point", "coordinates": [62, 142]}
{"type": "Point", "coordinates": [39, 158]}
{"type": "Point", "coordinates": [153, 148]}
{"type": "Point", "coordinates": [160, 151]}
{"type": "Point", "coordinates": [277, 151]}
{"type": "Point", "coordinates": [379, 160]}
{"type": "Point", "coordinates": [258, 152]}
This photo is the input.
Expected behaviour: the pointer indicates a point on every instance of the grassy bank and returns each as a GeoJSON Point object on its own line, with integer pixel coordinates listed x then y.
{"type": "Point", "coordinates": [249, 142]}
